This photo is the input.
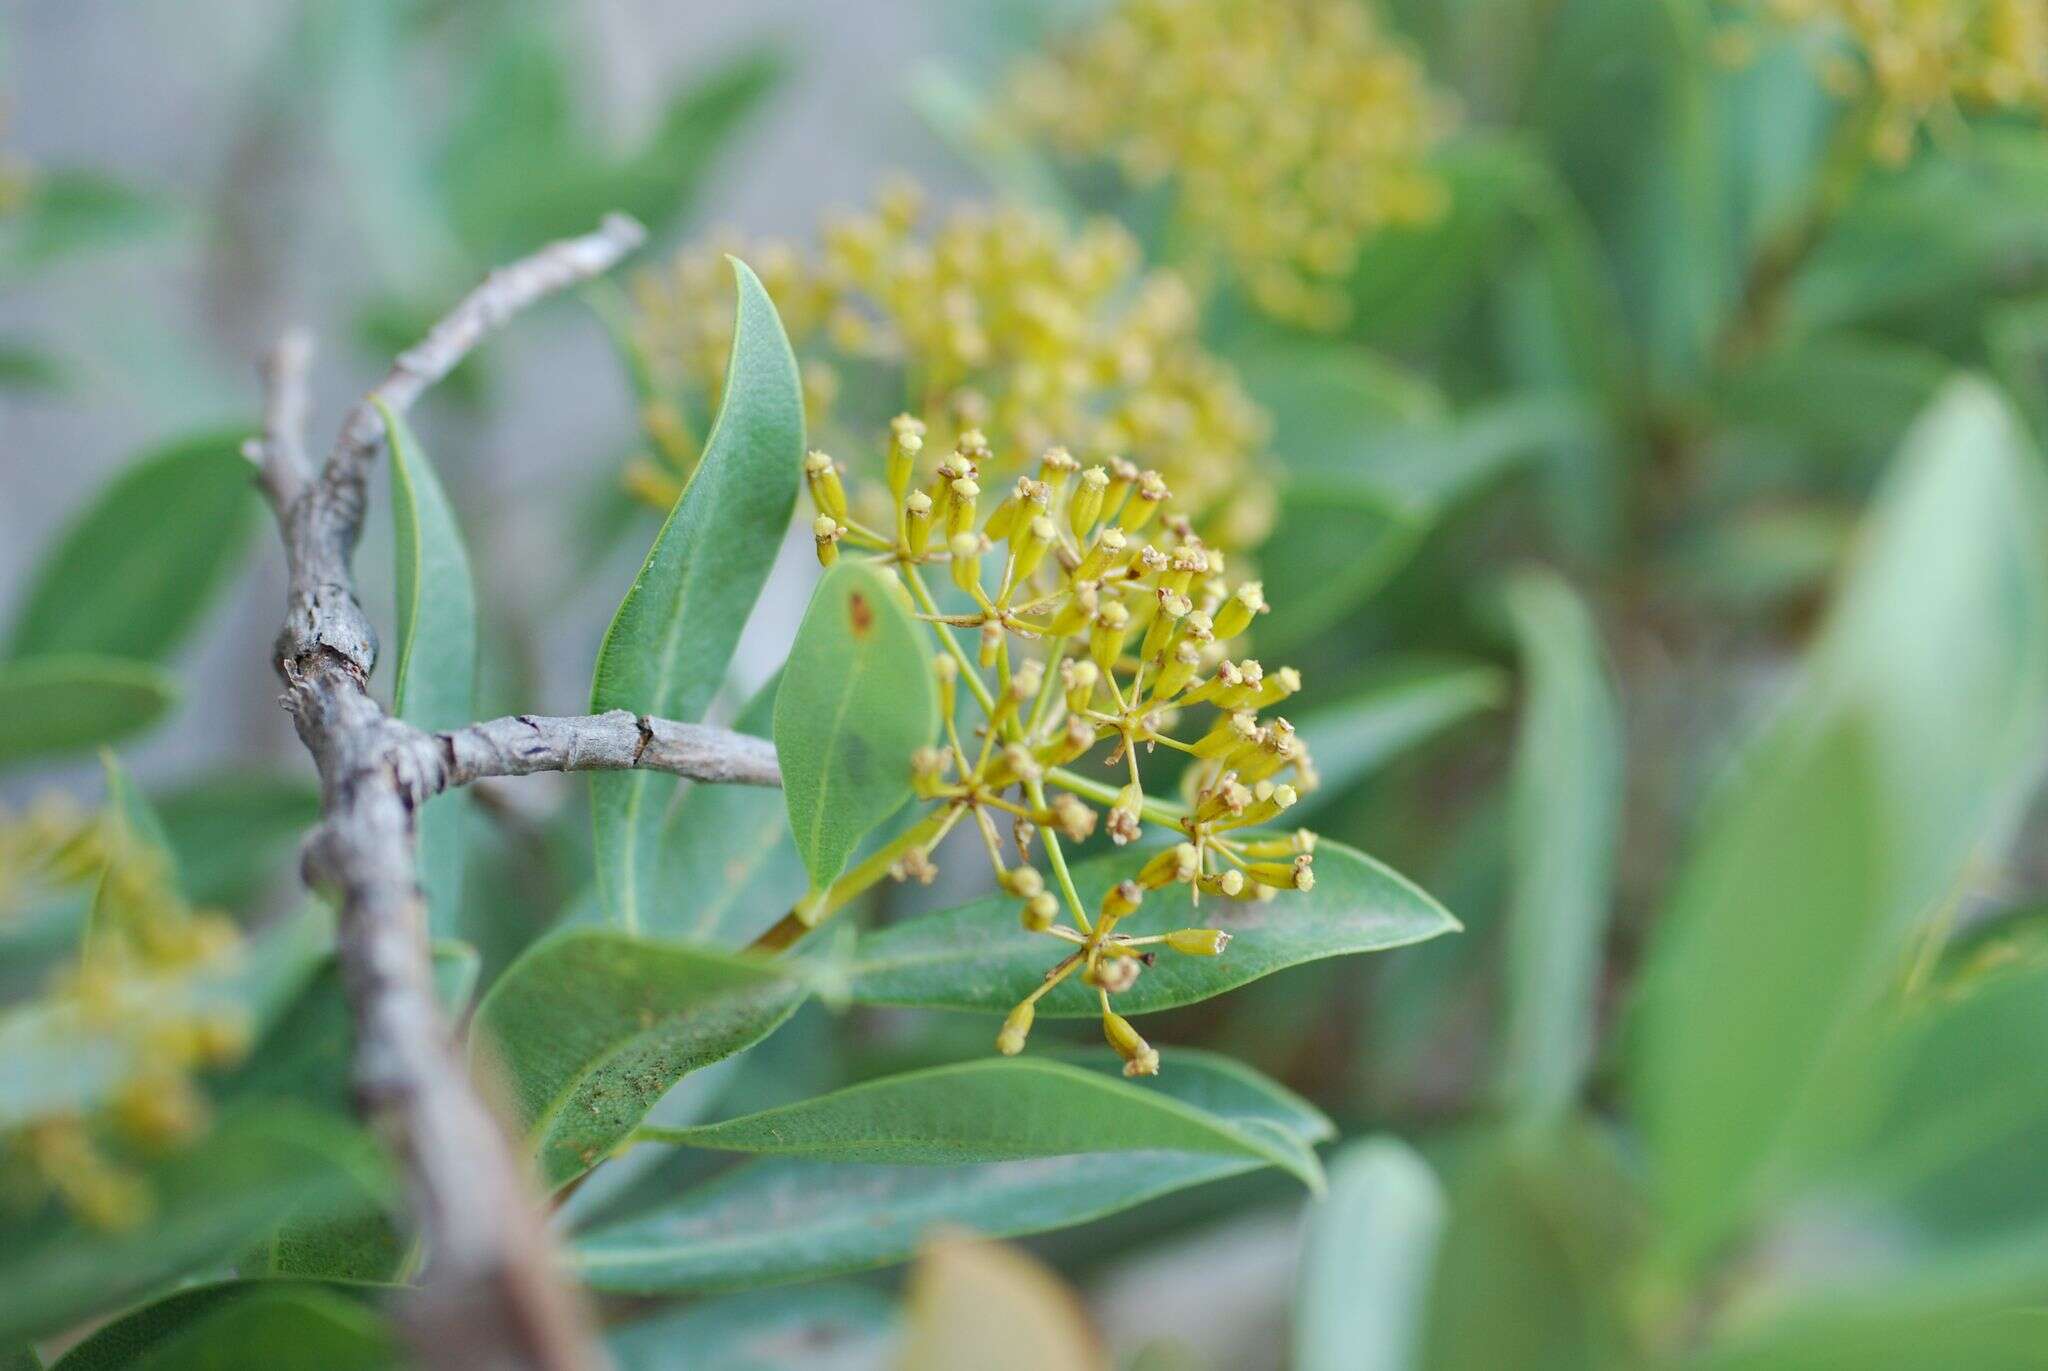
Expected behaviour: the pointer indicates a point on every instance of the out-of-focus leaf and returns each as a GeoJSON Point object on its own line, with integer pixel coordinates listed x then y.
{"type": "Point", "coordinates": [1540, 1235]}
{"type": "Point", "coordinates": [668, 646]}
{"type": "Point", "coordinates": [856, 700]}
{"type": "Point", "coordinates": [2016, 336]}
{"type": "Point", "coordinates": [232, 831]}
{"type": "Point", "coordinates": [975, 1303]}
{"type": "Point", "coordinates": [73, 211]}
{"type": "Point", "coordinates": [307, 1059]}
{"type": "Point", "coordinates": [1566, 811]}
{"type": "Point", "coordinates": [433, 686]}
{"type": "Point", "coordinates": [1840, 395]}
{"type": "Point", "coordinates": [137, 836]}
{"type": "Point", "coordinates": [1854, 815]}
{"type": "Point", "coordinates": [592, 1027]}
{"type": "Point", "coordinates": [54, 705]}
{"type": "Point", "coordinates": [729, 865]}
{"type": "Point", "coordinates": [1350, 520]}
{"type": "Point", "coordinates": [995, 1109]}
{"type": "Point", "coordinates": [207, 1200]}
{"type": "Point", "coordinates": [1933, 1319]}
{"type": "Point", "coordinates": [1399, 706]}
{"type": "Point", "coordinates": [1753, 558]}
{"type": "Point", "coordinates": [138, 566]}
{"type": "Point", "coordinates": [784, 1219]}
{"type": "Point", "coordinates": [839, 1327]}
{"type": "Point", "coordinates": [976, 957]}
{"type": "Point", "coordinates": [956, 110]}
{"type": "Point", "coordinates": [278, 1325]}
{"type": "Point", "coordinates": [29, 369]}
{"type": "Point", "coordinates": [1328, 399]}
{"type": "Point", "coordinates": [1363, 1286]}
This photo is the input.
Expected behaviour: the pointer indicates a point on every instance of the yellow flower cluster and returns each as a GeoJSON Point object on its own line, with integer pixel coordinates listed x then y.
{"type": "Point", "coordinates": [1096, 617]}
{"type": "Point", "coordinates": [993, 318]}
{"type": "Point", "coordinates": [1291, 129]}
{"type": "Point", "coordinates": [1923, 60]}
{"type": "Point", "coordinates": [143, 944]}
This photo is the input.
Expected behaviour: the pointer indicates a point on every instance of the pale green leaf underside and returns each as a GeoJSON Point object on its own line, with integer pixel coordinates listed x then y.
{"type": "Point", "coordinates": [668, 646]}
{"type": "Point", "coordinates": [976, 957]}
{"type": "Point", "coordinates": [992, 1110]}
{"type": "Point", "coordinates": [782, 1219]}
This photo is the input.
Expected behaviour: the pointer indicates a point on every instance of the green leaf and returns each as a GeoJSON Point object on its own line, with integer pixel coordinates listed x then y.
{"type": "Point", "coordinates": [729, 865]}
{"type": "Point", "coordinates": [996, 1109]}
{"type": "Point", "coordinates": [1397, 707]}
{"type": "Point", "coordinates": [668, 646]}
{"type": "Point", "coordinates": [1366, 1262]}
{"type": "Point", "coordinates": [1853, 816]}
{"type": "Point", "coordinates": [136, 569]}
{"type": "Point", "coordinates": [54, 705]}
{"type": "Point", "coordinates": [835, 1325]}
{"type": "Point", "coordinates": [784, 1219]}
{"type": "Point", "coordinates": [857, 699]}
{"type": "Point", "coordinates": [433, 686]}
{"type": "Point", "coordinates": [976, 957]}
{"type": "Point", "coordinates": [234, 832]}
{"type": "Point", "coordinates": [1544, 1230]}
{"type": "Point", "coordinates": [1352, 517]}
{"type": "Point", "coordinates": [1564, 820]}
{"type": "Point", "coordinates": [72, 211]}
{"type": "Point", "coordinates": [1931, 1316]}
{"type": "Point", "coordinates": [208, 1201]}
{"type": "Point", "coordinates": [593, 1026]}
{"type": "Point", "coordinates": [277, 1325]}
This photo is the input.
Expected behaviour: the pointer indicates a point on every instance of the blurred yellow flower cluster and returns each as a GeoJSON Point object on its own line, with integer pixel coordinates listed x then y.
{"type": "Point", "coordinates": [133, 995]}
{"type": "Point", "coordinates": [993, 318]}
{"type": "Point", "coordinates": [1099, 617]}
{"type": "Point", "coordinates": [1291, 129]}
{"type": "Point", "coordinates": [1924, 60]}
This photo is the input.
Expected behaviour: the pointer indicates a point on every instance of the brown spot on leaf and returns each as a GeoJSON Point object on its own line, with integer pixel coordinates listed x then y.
{"type": "Point", "coordinates": [860, 612]}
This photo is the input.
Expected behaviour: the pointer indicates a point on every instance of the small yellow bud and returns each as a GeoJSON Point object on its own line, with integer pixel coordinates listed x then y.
{"type": "Point", "coordinates": [1106, 639]}
{"type": "Point", "coordinates": [1240, 609]}
{"type": "Point", "coordinates": [1030, 547]}
{"type": "Point", "coordinates": [946, 672]}
{"type": "Point", "coordinates": [1144, 502]}
{"type": "Point", "coordinates": [1039, 912]}
{"type": "Point", "coordinates": [826, 533]}
{"type": "Point", "coordinates": [1199, 942]}
{"type": "Point", "coordinates": [917, 522]}
{"type": "Point", "coordinates": [1023, 881]}
{"type": "Point", "coordinates": [1074, 819]}
{"type": "Point", "coordinates": [1122, 900]}
{"type": "Point", "coordinates": [826, 491]}
{"type": "Point", "coordinates": [960, 510]}
{"type": "Point", "coordinates": [1139, 1058]}
{"type": "Point", "coordinates": [965, 551]}
{"type": "Point", "coordinates": [1016, 1028]}
{"type": "Point", "coordinates": [1181, 863]}
{"type": "Point", "coordinates": [1080, 678]}
{"type": "Point", "coordinates": [1114, 973]}
{"type": "Point", "coordinates": [1086, 507]}
{"type": "Point", "coordinates": [1227, 883]}
{"type": "Point", "coordinates": [1123, 815]}
{"type": "Point", "coordinates": [1107, 549]}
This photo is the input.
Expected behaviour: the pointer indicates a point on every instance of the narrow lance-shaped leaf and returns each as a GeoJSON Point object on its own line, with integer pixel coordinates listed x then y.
{"type": "Point", "coordinates": [1565, 806]}
{"type": "Point", "coordinates": [433, 684]}
{"type": "Point", "coordinates": [138, 566]}
{"type": "Point", "coordinates": [593, 1026]}
{"type": "Point", "coordinates": [53, 705]}
{"type": "Point", "coordinates": [729, 868]}
{"type": "Point", "coordinates": [670, 642]}
{"type": "Point", "coordinates": [785, 1219]}
{"type": "Point", "coordinates": [997, 1109]}
{"type": "Point", "coordinates": [1363, 1288]}
{"type": "Point", "coordinates": [977, 957]}
{"type": "Point", "coordinates": [278, 1325]}
{"type": "Point", "coordinates": [857, 699]}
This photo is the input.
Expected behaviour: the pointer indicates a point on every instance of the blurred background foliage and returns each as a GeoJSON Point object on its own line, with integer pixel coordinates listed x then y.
{"type": "Point", "coordinates": [1637, 404]}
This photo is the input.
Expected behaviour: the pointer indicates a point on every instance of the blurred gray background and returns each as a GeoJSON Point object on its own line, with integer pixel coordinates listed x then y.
{"type": "Point", "coordinates": [185, 100]}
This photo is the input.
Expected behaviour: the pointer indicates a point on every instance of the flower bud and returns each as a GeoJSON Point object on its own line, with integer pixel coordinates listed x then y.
{"type": "Point", "coordinates": [1198, 942]}
{"type": "Point", "coordinates": [1245, 603]}
{"type": "Point", "coordinates": [1030, 546]}
{"type": "Point", "coordinates": [1123, 815]}
{"type": "Point", "coordinates": [1144, 502]}
{"type": "Point", "coordinates": [965, 550]}
{"type": "Point", "coordinates": [822, 474]}
{"type": "Point", "coordinates": [906, 440]}
{"type": "Point", "coordinates": [826, 533]}
{"type": "Point", "coordinates": [1114, 973]}
{"type": "Point", "coordinates": [960, 509]}
{"type": "Point", "coordinates": [1106, 639]}
{"type": "Point", "coordinates": [1039, 912]}
{"type": "Point", "coordinates": [1080, 678]}
{"type": "Point", "coordinates": [1016, 1028]}
{"type": "Point", "coordinates": [1086, 506]}
{"type": "Point", "coordinates": [1139, 1058]}
{"type": "Point", "coordinates": [917, 522]}
{"type": "Point", "coordinates": [1122, 900]}
{"type": "Point", "coordinates": [1181, 863]}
